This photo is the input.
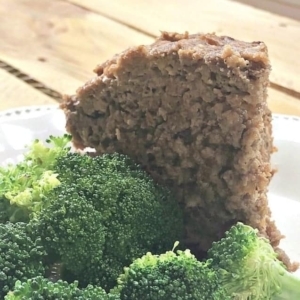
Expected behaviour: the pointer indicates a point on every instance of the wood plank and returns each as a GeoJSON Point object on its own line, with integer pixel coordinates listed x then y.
{"type": "Point", "coordinates": [291, 2]}
{"type": "Point", "coordinates": [16, 93]}
{"type": "Point", "coordinates": [288, 8]}
{"type": "Point", "coordinates": [58, 43]}
{"type": "Point", "coordinates": [281, 34]}
{"type": "Point", "coordinates": [281, 103]}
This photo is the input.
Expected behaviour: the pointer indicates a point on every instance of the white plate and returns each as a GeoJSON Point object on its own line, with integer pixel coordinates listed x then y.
{"type": "Point", "coordinates": [19, 127]}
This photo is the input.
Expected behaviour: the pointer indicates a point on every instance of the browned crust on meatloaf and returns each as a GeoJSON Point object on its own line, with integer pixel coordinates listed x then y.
{"type": "Point", "coordinates": [192, 110]}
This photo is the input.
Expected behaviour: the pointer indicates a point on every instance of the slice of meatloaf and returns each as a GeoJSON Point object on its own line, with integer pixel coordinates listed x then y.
{"type": "Point", "coordinates": [192, 110]}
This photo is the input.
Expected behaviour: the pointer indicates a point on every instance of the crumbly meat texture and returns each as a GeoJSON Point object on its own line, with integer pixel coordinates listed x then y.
{"type": "Point", "coordinates": [192, 110]}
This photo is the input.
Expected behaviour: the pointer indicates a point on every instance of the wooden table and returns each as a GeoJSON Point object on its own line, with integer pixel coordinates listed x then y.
{"type": "Point", "coordinates": [49, 48]}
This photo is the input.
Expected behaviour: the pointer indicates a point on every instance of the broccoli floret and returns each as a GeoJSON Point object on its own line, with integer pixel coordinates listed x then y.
{"type": "Point", "coordinates": [113, 198]}
{"type": "Point", "coordinates": [40, 288]}
{"type": "Point", "coordinates": [10, 212]}
{"type": "Point", "coordinates": [26, 184]}
{"type": "Point", "coordinates": [21, 256]}
{"type": "Point", "coordinates": [71, 229]}
{"type": "Point", "coordinates": [249, 268]}
{"type": "Point", "coordinates": [169, 276]}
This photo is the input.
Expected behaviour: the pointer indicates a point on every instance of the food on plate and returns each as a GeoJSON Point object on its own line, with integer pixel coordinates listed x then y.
{"type": "Point", "coordinates": [118, 210]}
{"type": "Point", "coordinates": [170, 276]}
{"type": "Point", "coordinates": [249, 268]}
{"type": "Point", "coordinates": [23, 186]}
{"type": "Point", "coordinates": [182, 137]}
{"type": "Point", "coordinates": [104, 233]}
{"type": "Point", "coordinates": [104, 212]}
{"type": "Point", "coordinates": [42, 289]}
{"type": "Point", "coordinates": [242, 266]}
{"type": "Point", "coordinates": [192, 110]}
{"type": "Point", "coordinates": [21, 255]}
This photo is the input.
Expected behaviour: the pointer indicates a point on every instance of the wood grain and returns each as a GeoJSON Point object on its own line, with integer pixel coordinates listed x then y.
{"type": "Point", "coordinates": [281, 34]}
{"type": "Point", "coordinates": [15, 93]}
{"type": "Point", "coordinates": [281, 103]}
{"type": "Point", "coordinates": [287, 8]}
{"type": "Point", "coordinates": [58, 43]}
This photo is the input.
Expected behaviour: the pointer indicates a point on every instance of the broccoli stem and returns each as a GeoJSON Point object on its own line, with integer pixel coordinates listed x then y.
{"type": "Point", "coordinates": [290, 287]}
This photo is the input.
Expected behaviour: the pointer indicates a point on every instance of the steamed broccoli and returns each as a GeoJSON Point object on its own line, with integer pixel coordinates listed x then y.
{"type": "Point", "coordinates": [21, 256]}
{"type": "Point", "coordinates": [71, 229]}
{"type": "Point", "coordinates": [249, 269]}
{"type": "Point", "coordinates": [10, 211]}
{"type": "Point", "coordinates": [40, 288]}
{"type": "Point", "coordinates": [169, 276]}
{"type": "Point", "coordinates": [105, 213]}
{"type": "Point", "coordinates": [26, 184]}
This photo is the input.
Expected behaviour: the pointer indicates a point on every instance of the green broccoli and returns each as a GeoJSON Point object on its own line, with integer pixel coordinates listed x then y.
{"type": "Point", "coordinates": [39, 288]}
{"type": "Point", "coordinates": [249, 269]}
{"type": "Point", "coordinates": [71, 229]}
{"type": "Point", "coordinates": [26, 184]}
{"type": "Point", "coordinates": [10, 211]}
{"type": "Point", "coordinates": [169, 276]}
{"type": "Point", "coordinates": [105, 213]}
{"type": "Point", "coordinates": [21, 256]}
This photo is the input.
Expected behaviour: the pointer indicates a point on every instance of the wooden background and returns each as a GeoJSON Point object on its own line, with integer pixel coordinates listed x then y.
{"type": "Point", "coordinates": [49, 48]}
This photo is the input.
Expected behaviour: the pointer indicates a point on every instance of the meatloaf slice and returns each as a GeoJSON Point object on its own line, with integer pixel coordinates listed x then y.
{"type": "Point", "coordinates": [192, 110]}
